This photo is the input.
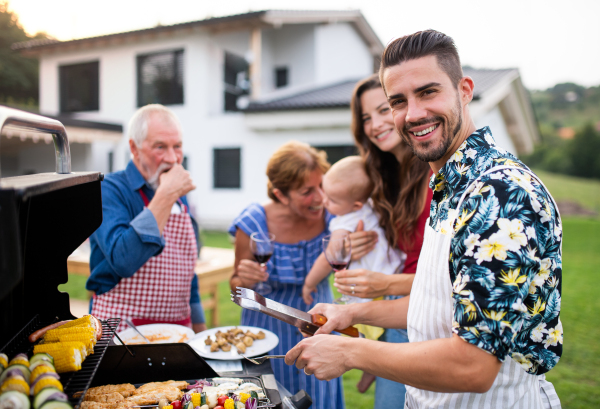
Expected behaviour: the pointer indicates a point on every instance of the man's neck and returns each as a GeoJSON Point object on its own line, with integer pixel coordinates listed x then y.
{"type": "Point", "coordinates": [462, 136]}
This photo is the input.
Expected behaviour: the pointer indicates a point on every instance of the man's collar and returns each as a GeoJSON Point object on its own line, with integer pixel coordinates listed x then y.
{"type": "Point", "coordinates": [136, 180]}
{"type": "Point", "coordinates": [462, 159]}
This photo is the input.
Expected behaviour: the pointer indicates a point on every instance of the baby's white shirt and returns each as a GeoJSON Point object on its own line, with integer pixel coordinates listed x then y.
{"type": "Point", "coordinates": [379, 259]}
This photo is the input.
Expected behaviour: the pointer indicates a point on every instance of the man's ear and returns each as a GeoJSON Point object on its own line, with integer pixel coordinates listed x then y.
{"type": "Point", "coordinates": [465, 89]}
{"type": "Point", "coordinates": [357, 206]}
{"type": "Point", "coordinates": [281, 197]}
{"type": "Point", "coordinates": [134, 149]}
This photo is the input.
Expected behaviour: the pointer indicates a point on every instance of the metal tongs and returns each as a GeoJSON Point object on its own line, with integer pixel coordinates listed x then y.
{"type": "Point", "coordinates": [308, 323]}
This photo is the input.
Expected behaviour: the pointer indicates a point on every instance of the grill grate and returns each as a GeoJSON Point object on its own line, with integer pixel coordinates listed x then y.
{"type": "Point", "coordinates": [72, 381]}
{"type": "Point", "coordinates": [81, 380]}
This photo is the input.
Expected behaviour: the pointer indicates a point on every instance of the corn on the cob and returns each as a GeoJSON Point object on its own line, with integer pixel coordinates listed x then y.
{"type": "Point", "coordinates": [196, 399]}
{"type": "Point", "coordinates": [81, 334]}
{"type": "Point", "coordinates": [3, 361]}
{"type": "Point", "coordinates": [67, 355]}
{"type": "Point", "coordinates": [244, 397]}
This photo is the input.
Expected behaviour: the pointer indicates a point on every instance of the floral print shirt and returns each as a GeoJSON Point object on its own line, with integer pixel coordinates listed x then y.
{"type": "Point", "coordinates": [505, 256]}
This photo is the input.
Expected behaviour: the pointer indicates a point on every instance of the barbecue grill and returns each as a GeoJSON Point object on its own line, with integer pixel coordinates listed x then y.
{"type": "Point", "coordinates": [43, 219]}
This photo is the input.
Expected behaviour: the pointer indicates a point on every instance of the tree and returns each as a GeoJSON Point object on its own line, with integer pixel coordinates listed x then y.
{"type": "Point", "coordinates": [585, 153]}
{"type": "Point", "coordinates": [19, 76]}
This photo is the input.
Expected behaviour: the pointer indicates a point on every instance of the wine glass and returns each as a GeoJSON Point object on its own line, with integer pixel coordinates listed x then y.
{"type": "Point", "coordinates": [261, 245]}
{"type": "Point", "coordinates": [337, 249]}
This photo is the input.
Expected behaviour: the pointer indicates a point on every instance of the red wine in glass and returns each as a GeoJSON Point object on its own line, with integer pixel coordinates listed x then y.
{"type": "Point", "coordinates": [262, 259]}
{"type": "Point", "coordinates": [336, 247]}
{"type": "Point", "coordinates": [338, 266]}
{"type": "Point", "coordinates": [261, 246]}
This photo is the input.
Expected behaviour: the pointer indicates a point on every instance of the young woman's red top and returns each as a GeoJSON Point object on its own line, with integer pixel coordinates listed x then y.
{"type": "Point", "coordinates": [413, 252]}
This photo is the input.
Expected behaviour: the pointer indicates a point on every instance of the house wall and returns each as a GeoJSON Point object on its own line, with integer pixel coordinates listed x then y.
{"type": "Point", "coordinates": [340, 54]}
{"type": "Point", "coordinates": [204, 123]}
{"type": "Point", "coordinates": [497, 125]}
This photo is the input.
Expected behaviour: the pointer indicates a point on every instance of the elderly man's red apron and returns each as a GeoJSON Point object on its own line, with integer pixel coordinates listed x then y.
{"type": "Point", "coordinates": [159, 292]}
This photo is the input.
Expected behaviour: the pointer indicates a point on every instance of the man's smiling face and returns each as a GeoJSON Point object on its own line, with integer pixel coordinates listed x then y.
{"type": "Point", "coordinates": [427, 107]}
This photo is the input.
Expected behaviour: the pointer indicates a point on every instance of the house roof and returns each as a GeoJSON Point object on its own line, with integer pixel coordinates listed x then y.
{"type": "Point", "coordinates": [338, 95]}
{"type": "Point", "coordinates": [267, 18]}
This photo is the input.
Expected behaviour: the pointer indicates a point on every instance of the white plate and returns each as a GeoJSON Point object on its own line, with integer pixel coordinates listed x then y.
{"type": "Point", "coordinates": [157, 334]}
{"type": "Point", "coordinates": [259, 347]}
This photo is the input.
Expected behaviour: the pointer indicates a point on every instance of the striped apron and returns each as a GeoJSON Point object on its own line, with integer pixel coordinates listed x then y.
{"type": "Point", "coordinates": [159, 292]}
{"type": "Point", "coordinates": [430, 315]}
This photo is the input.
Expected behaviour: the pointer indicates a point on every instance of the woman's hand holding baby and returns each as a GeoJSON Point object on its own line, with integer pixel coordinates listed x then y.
{"type": "Point", "coordinates": [362, 242]}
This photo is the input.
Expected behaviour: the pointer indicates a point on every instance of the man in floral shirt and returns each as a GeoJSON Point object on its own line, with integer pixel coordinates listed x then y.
{"type": "Point", "coordinates": [483, 313]}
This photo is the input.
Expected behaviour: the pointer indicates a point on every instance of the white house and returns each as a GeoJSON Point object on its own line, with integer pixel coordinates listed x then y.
{"type": "Point", "coordinates": [241, 85]}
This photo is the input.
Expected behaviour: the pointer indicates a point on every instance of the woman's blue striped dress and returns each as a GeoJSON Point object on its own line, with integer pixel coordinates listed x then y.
{"type": "Point", "coordinates": [287, 270]}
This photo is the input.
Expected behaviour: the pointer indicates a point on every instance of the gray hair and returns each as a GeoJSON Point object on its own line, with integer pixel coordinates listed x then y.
{"type": "Point", "coordinates": [138, 124]}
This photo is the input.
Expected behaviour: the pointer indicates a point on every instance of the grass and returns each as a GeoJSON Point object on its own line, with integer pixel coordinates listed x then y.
{"type": "Point", "coordinates": [577, 375]}
{"type": "Point", "coordinates": [586, 192]}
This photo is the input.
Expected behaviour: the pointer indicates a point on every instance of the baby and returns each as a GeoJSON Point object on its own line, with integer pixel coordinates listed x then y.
{"type": "Point", "coordinates": [347, 189]}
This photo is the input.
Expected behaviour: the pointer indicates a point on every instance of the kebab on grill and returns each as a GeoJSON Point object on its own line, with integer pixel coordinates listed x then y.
{"type": "Point", "coordinates": [220, 393]}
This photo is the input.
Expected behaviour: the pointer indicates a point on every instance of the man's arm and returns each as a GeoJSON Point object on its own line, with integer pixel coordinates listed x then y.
{"type": "Point", "coordinates": [126, 243]}
{"type": "Point", "coordinates": [441, 365]}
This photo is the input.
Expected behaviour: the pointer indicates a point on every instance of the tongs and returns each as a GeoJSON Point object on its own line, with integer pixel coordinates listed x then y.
{"type": "Point", "coordinates": [308, 323]}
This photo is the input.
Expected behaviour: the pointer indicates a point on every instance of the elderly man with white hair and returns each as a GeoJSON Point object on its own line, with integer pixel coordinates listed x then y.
{"type": "Point", "coordinates": [144, 253]}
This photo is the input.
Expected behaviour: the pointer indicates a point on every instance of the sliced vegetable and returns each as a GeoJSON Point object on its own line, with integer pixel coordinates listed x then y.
{"type": "Point", "coordinates": [203, 399]}
{"type": "Point", "coordinates": [254, 395]}
{"type": "Point", "coordinates": [22, 370]}
{"type": "Point", "coordinates": [251, 403]}
{"type": "Point", "coordinates": [56, 404]}
{"type": "Point", "coordinates": [40, 370]}
{"type": "Point", "coordinates": [15, 383]}
{"type": "Point", "coordinates": [54, 397]}
{"type": "Point", "coordinates": [229, 404]}
{"type": "Point", "coordinates": [41, 357]}
{"type": "Point", "coordinates": [188, 405]}
{"type": "Point", "coordinates": [195, 399]}
{"type": "Point", "coordinates": [14, 400]}
{"type": "Point", "coordinates": [20, 359]}
{"type": "Point", "coordinates": [3, 360]}
{"type": "Point", "coordinates": [47, 380]}
{"type": "Point", "coordinates": [43, 363]}
{"type": "Point", "coordinates": [43, 396]}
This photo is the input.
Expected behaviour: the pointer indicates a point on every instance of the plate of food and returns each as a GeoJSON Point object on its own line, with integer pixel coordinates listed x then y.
{"type": "Point", "coordinates": [156, 334]}
{"type": "Point", "coordinates": [227, 343]}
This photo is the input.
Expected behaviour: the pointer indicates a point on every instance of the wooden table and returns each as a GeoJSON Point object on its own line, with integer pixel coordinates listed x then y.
{"type": "Point", "coordinates": [215, 265]}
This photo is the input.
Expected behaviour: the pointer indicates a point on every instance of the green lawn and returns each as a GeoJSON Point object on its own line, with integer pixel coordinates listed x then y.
{"type": "Point", "coordinates": [577, 375]}
{"type": "Point", "coordinates": [586, 192]}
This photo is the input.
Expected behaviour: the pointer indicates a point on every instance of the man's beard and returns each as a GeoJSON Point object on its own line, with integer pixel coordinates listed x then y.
{"type": "Point", "coordinates": [154, 180]}
{"type": "Point", "coordinates": [424, 150]}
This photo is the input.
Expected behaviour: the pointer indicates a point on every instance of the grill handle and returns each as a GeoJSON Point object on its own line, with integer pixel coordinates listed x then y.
{"type": "Point", "coordinates": [32, 122]}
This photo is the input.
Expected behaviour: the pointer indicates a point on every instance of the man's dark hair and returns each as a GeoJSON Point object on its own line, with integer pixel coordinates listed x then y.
{"type": "Point", "coordinates": [423, 44]}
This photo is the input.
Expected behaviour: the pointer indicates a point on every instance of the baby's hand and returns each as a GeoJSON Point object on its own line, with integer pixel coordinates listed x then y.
{"type": "Point", "coordinates": [306, 294]}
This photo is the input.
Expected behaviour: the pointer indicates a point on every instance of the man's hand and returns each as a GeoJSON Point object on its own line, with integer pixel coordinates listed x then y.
{"type": "Point", "coordinates": [338, 317]}
{"type": "Point", "coordinates": [324, 356]}
{"type": "Point", "coordinates": [362, 242]}
{"type": "Point", "coordinates": [174, 183]}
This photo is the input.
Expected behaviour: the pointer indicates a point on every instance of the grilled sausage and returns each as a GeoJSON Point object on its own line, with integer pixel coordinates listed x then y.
{"type": "Point", "coordinates": [40, 332]}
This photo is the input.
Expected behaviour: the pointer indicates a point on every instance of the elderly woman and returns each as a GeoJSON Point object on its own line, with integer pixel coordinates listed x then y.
{"type": "Point", "coordinates": [295, 215]}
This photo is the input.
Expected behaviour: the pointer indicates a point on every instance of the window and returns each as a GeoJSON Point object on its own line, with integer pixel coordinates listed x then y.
{"type": "Point", "coordinates": [237, 81]}
{"type": "Point", "coordinates": [335, 153]}
{"type": "Point", "coordinates": [281, 77]}
{"type": "Point", "coordinates": [79, 87]}
{"type": "Point", "coordinates": [160, 78]}
{"type": "Point", "coordinates": [226, 163]}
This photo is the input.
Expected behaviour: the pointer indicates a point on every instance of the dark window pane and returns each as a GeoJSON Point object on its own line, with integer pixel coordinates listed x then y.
{"type": "Point", "coordinates": [335, 153]}
{"type": "Point", "coordinates": [79, 87]}
{"type": "Point", "coordinates": [237, 82]}
{"type": "Point", "coordinates": [226, 163]}
{"type": "Point", "coordinates": [281, 77]}
{"type": "Point", "coordinates": [160, 78]}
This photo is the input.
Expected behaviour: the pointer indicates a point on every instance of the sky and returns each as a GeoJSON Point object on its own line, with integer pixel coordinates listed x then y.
{"type": "Point", "coordinates": [550, 41]}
